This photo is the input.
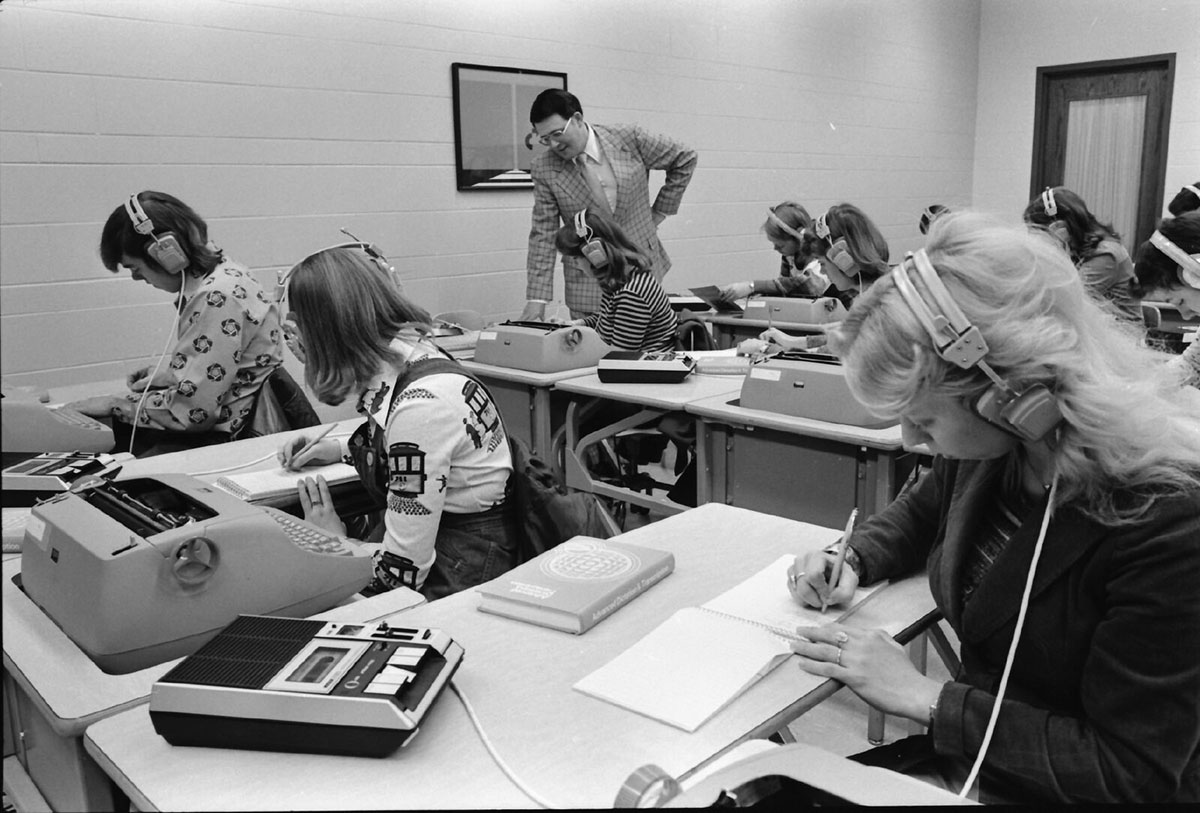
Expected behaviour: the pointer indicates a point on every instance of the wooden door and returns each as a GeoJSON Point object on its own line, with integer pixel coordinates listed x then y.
{"type": "Point", "coordinates": [1059, 87]}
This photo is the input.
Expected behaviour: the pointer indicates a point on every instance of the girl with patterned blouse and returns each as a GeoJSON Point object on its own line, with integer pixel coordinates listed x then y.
{"type": "Point", "coordinates": [227, 338]}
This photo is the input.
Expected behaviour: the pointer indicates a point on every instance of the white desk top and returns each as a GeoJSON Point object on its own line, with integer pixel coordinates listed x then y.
{"type": "Point", "coordinates": [207, 463]}
{"type": "Point", "coordinates": [740, 319]}
{"type": "Point", "coordinates": [72, 692]}
{"type": "Point", "coordinates": [664, 396]}
{"type": "Point", "coordinates": [573, 750]}
{"type": "Point", "coordinates": [523, 376]}
{"type": "Point", "coordinates": [719, 408]}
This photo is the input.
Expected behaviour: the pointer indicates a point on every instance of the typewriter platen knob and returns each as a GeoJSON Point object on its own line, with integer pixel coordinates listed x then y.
{"type": "Point", "coordinates": [195, 561]}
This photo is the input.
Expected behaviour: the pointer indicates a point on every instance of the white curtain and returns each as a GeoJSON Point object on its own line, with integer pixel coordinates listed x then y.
{"type": "Point", "coordinates": [1104, 158]}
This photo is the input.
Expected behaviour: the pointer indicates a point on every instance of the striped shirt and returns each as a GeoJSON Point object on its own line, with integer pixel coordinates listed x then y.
{"type": "Point", "coordinates": [997, 526]}
{"type": "Point", "coordinates": [638, 317]}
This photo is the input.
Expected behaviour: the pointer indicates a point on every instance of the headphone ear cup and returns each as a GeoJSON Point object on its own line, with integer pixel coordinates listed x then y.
{"type": "Point", "coordinates": [165, 250]}
{"type": "Point", "coordinates": [839, 255]}
{"type": "Point", "coordinates": [593, 251]}
{"type": "Point", "coordinates": [1031, 415]}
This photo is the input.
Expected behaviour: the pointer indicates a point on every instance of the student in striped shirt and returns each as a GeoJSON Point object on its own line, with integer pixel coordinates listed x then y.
{"type": "Point", "coordinates": [635, 313]}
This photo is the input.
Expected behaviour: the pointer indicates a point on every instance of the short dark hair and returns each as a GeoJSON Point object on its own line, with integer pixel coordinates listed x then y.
{"type": "Point", "coordinates": [554, 101]}
{"type": "Point", "coordinates": [1155, 271]}
{"type": "Point", "coordinates": [169, 214]}
{"type": "Point", "coordinates": [1185, 200]}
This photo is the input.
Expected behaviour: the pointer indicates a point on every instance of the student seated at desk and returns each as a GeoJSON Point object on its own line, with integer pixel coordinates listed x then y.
{"type": "Point", "coordinates": [226, 336]}
{"type": "Point", "coordinates": [432, 452]}
{"type": "Point", "coordinates": [635, 313]}
{"type": "Point", "coordinates": [853, 253]}
{"type": "Point", "coordinates": [1168, 270]}
{"type": "Point", "coordinates": [799, 272]}
{"type": "Point", "coordinates": [1095, 248]}
{"type": "Point", "coordinates": [1062, 448]}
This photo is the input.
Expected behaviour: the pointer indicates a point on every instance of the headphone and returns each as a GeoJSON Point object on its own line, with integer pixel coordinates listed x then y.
{"type": "Point", "coordinates": [1189, 264]}
{"type": "Point", "coordinates": [163, 248]}
{"type": "Point", "coordinates": [927, 216]}
{"type": "Point", "coordinates": [799, 235]}
{"type": "Point", "coordinates": [1048, 202]}
{"type": "Point", "coordinates": [371, 250]}
{"type": "Point", "coordinates": [839, 250]}
{"type": "Point", "coordinates": [1030, 414]}
{"type": "Point", "coordinates": [1192, 189]}
{"type": "Point", "coordinates": [593, 247]}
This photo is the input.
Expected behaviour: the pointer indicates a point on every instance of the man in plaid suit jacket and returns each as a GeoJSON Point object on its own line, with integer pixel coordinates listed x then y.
{"type": "Point", "coordinates": [567, 177]}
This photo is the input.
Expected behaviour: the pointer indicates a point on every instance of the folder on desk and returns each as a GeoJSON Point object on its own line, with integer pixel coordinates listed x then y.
{"type": "Point", "coordinates": [715, 299]}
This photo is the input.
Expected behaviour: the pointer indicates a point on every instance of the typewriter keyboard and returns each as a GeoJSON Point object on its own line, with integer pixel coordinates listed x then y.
{"type": "Point", "coordinates": [70, 416]}
{"type": "Point", "coordinates": [310, 537]}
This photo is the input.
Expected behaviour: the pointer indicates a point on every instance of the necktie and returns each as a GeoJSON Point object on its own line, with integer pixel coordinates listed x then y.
{"type": "Point", "coordinates": [588, 169]}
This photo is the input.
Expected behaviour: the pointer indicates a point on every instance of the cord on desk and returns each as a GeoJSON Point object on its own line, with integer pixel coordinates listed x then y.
{"type": "Point", "coordinates": [253, 462]}
{"type": "Point", "coordinates": [487, 743]}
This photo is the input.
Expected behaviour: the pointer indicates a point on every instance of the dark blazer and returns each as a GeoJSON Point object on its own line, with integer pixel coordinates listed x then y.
{"type": "Point", "coordinates": [1103, 703]}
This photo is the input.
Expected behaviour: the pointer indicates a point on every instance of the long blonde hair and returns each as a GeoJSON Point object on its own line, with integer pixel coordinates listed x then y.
{"type": "Point", "coordinates": [1127, 422]}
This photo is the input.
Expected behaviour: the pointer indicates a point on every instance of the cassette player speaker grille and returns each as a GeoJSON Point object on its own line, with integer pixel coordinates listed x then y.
{"type": "Point", "coordinates": [247, 653]}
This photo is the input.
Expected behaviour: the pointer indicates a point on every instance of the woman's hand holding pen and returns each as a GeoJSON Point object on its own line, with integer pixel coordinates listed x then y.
{"type": "Point", "coordinates": [296, 453]}
{"type": "Point", "coordinates": [808, 580]}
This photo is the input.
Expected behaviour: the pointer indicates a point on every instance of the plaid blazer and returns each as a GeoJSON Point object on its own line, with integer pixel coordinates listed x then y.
{"type": "Point", "coordinates": [560, 190]}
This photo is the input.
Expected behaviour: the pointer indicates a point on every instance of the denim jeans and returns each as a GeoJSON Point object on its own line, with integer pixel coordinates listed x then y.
{"type": "Point", "coordinates": [471, 549]}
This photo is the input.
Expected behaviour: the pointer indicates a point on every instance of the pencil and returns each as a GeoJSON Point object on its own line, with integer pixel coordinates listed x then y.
{"type": "Point", "coordinates": [309, 445]}
{"type": "Point", "coordinates": [836, 574]}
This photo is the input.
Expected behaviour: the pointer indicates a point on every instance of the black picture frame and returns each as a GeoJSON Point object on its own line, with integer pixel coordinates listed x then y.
{"type": "Point", "coordinates": [493, 147]}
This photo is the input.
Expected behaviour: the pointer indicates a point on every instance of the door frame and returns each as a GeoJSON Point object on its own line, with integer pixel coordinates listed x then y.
{"type": "Point", "coordinates": [1153, 178]}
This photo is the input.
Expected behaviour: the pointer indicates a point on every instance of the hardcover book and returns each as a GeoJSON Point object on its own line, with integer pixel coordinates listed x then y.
{"type": "Point", "coordinates": [574, 586]}
{"type": "Point", "coordinates": [693, 664]}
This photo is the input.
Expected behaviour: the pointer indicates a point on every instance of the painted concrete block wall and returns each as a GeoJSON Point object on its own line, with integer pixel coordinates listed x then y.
{"type": "Point", "coordinates": [281, 120]}
{"type": "Point", "coordinates": [1019, 36]}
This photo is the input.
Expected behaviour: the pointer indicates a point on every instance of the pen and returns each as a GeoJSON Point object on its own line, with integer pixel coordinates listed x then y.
{"type": "Point", "coordinates": [309, 445]}
{"type": "Point", "coordinates": [838, 563]}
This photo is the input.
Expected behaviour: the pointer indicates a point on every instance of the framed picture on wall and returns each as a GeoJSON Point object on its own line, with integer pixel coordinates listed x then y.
{"type": "Point", "coordinates": [493, 141]}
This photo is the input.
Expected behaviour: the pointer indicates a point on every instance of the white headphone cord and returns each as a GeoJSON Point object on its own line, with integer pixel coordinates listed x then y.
{"type": "Point", "coordinates": [253, 462]}
{"type": "Point", "coordinates": [1012, 649]}
{"type": "Point", "coordinates": [487, 743]}
{"type": "Point", "coordinates": [171, 338]}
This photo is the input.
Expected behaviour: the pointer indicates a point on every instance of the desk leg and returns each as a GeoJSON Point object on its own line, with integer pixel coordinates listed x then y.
{"type": "Point", "coordinates": [539, 420]}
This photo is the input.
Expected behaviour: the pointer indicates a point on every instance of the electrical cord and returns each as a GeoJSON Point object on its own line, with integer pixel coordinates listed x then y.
{"type": "Point", "coordinates": [255, 461]}
{"type": "Point", "coordinates": [1012, 649]}
{"type": "Point", "coordinates": [171, 338]}
{"type": "Point", "coordinates": [487, 743]}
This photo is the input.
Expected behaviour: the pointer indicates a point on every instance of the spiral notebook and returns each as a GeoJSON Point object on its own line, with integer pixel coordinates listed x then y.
{"type": "Point", "coordinates": [697, 661]}
{"type": "Point", "coordinates": [253, 486]}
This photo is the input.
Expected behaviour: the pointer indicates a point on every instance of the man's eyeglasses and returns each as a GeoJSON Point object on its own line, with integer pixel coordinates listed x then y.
{"type": "Point", "coordinates": [545, 140]}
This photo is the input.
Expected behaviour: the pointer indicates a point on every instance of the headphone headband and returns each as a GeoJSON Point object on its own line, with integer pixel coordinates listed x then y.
{"type": "Point", "coordinates": [799, 235]}
{"type": "Point", "coordinates": [954, 337]}
{"type": "Point", "coordinates": [1192, 189]}
{"type": "Point", "coordinates": [142, 223]}
{"type": "Point", "coordinates": [370, 249]}
{"type": "Point", "coordinates": [582, 230]}
{"type": "Point", "coordinates": [1189, 265]}
{"type": "Point", "coordinates": [1049, 203]}
{"type": "Point", "coordinates": [821, 225]}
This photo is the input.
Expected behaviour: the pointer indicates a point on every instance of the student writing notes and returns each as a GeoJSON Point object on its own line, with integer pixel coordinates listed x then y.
{"type": "Point", "coordinates": [1168, 270]}
{"type": "Point", "coordinates": [1061, 447]}
{"type": "Point", "coordinates": [432, 450]}
{"type": "Point", "coordinates": [226, 339]}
